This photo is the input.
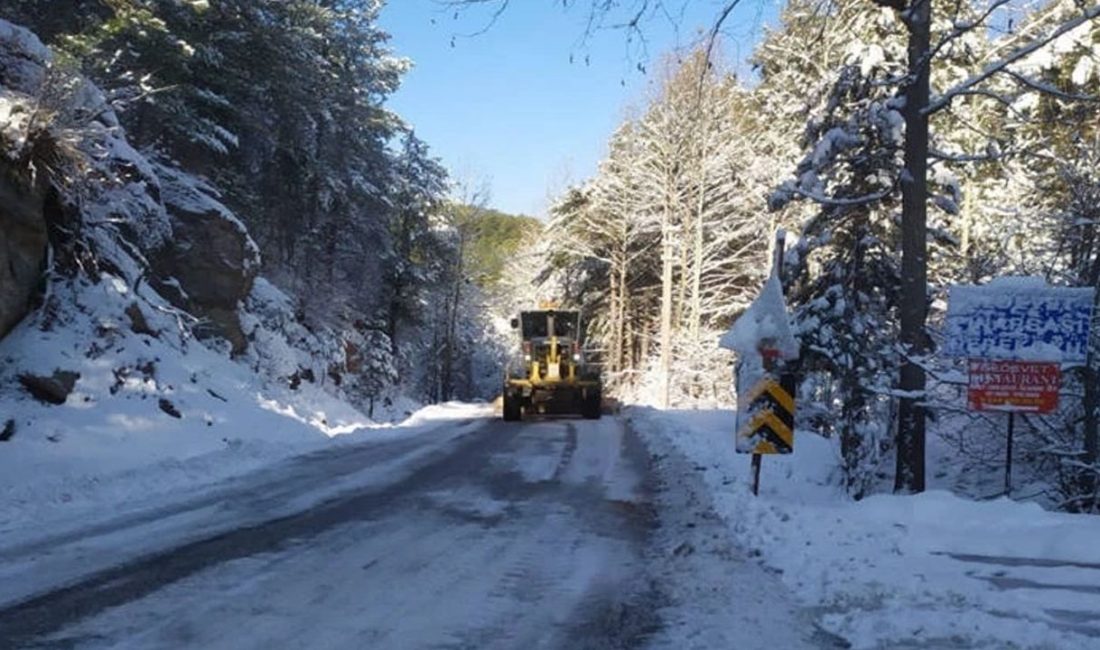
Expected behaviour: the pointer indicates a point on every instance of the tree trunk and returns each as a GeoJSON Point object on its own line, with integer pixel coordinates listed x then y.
{"type": "Point", "coordinates": [392, 314]}
{"type": "Point", "coordinates": [1090, 402]}
{"type": "Point", "coordinates": [451, 333]}
{"type": "Point", "coordinates": [613, 343]}
{"type": "Point", "coordinates": [909, 476]}
{"type": "Point", "coordinates": [666, 307]}
{"type": "Point", "coordinates": [433, 388]}
{"type": "Point", "coordinates": [696, 314]}
{"type": "Point", "coordinates": [695, 318]}
{"type": "Point", "coordinates": [621, 333]}
{"type": "Point", "coordinates": [851, 439]}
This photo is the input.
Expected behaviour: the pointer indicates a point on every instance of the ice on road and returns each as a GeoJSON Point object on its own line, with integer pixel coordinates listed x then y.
{"type": "Point", "coordinates": [536, 535]}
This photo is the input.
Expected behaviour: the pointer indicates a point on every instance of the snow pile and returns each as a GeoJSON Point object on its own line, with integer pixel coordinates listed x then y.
{"type": "Point", "coordinates": [279, 344]}
{"type": "Point", "coordinates": [149, 411]}
{"type": "Point", "coordinates": [931, 570]}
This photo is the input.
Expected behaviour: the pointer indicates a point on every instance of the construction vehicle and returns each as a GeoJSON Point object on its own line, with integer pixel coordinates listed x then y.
{"type": "Point", "coordinates": [550, 374]}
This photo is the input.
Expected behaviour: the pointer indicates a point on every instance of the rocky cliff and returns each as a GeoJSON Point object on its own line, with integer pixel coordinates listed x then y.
{"type": "Point", "coordinates": [71, 185]}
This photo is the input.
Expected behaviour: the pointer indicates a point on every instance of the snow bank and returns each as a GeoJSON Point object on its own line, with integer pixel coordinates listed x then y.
{"type": "Point", "coordinates": [115, 438]}
{"type": "Point", "coordinates": [933, 569]}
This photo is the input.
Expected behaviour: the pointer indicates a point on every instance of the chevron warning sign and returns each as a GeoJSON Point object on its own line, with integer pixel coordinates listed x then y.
{"type": "Point", "coordinates": [765, 417]}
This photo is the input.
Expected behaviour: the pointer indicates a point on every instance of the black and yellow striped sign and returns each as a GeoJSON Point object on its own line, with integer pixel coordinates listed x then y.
{"type": "Point", "coordinates": [765, 423]}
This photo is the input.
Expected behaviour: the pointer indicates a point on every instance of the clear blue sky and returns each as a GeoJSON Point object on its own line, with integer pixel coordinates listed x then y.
{"type": "Point", "coordinates": [507, 106]}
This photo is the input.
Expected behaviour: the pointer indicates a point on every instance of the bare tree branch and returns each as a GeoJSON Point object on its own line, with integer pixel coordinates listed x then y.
{"type": "Point", "coordinates": [961, 29]}
{"type": "Point", "coordinates": [944, 100]}
{"type": "Point", "coordinates": [627, 15]}
{"type": "Point", "coordinates": [1048, 89]}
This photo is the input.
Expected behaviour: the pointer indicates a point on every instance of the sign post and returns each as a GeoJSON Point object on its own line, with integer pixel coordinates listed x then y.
{"type": "Point", "coordinates": [1013, 386]}
{"type": "Point", "coordinates": [763, 341]}
{"type": "Point", "coordinates": [1008, 452]}
{"type": "Point", "coordinates": [1017, 334]}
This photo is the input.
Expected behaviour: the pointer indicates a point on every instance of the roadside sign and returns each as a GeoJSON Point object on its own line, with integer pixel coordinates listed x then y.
{"type": "Point", "coordinates": [764, 341]}
{"type": "Point", "coordinates": [1026, 386]}
{"type": "Point", "coordinates": [765, 417]}
{"type": "Point", "coordinates": [1017, 334]}
{"type": "Point", "coordinates": [1019, 318]}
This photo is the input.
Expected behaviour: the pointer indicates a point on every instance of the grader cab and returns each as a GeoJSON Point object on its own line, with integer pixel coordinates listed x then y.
{"type": "Point", "coordinates": [549, 375]}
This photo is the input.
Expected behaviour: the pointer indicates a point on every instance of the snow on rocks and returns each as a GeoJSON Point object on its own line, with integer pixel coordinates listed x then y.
{"type": "Point", "coordinates": [23, 58]}
{"type": "Point", "coordinates": [929, 570]}
{"type": "Point", "coordinates": [111, 439]}
{"type": "Point", "coordinates": [212, 256]}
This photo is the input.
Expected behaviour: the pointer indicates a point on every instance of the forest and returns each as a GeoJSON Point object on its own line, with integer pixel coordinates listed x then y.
{"type": "Point", "coordinates": [278, 110]}
{"type": "Point", "coordinates": [673, 236]}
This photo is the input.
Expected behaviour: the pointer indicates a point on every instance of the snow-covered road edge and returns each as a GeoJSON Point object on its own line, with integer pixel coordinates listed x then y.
{"type": "Point", "coordinates": [930, 570]}
{"type": "Point", "coordinates": [38, 555]}
{"type": "Point", "coordinates": [46, 501]}
{"type": "Point", "coordinates": [714, 594]}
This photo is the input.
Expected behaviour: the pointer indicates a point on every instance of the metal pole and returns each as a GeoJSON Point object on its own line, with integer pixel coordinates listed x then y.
{"type": "Point", "coordinates": [1008, 453]}
{"type": "Point", "coordinates": [777, 262]}
{"type": "Point", "coordinates": [769, 364]}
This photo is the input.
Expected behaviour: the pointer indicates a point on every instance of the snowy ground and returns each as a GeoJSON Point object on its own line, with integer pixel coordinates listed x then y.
{"type": "Point", "coordinates": [473, 534]}
{"type": "Point", "coordinates": [469, 532]}
{"type": "Point", "coordinates": [112, 527]}
{"type": "Point", "coordinates": [113, 444]}
{"type": "Point", "coordinates": [929, 571]}
{"type": "Point", "coordinates": [484, 537]}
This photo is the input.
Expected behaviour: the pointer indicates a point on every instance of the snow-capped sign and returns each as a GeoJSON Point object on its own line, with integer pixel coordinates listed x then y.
{"type": "Point", "coordinates": [765, 403]}
{"type": "Point", "coordinates": [1019, 318]}
{"type": "Point", "coordinates": [764, 325]}
{"type": "Point", "coordinates": [1025, 386]}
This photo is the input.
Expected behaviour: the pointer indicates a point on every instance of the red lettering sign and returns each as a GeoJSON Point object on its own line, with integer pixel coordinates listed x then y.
{"type": "Point", "coordinates": [1014, 385]}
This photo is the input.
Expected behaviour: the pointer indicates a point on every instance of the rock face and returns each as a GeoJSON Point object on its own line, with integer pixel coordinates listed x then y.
{"type": "Point", "coordinates": [54, 389]}
{"type": "Point", "coordinates": [210, 265]}
{"type": "Point", "coordinates": [23, 233]}
{"type": "Point", "coordinates": [202, 257]}
{"type": "Point", "coordinates": [23, 239]}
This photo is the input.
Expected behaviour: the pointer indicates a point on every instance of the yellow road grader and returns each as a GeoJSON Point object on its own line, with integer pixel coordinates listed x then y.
{"type": "Point", "coordinates": [549, 375]}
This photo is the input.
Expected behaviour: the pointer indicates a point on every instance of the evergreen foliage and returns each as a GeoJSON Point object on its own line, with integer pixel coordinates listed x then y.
{"type": "Point", "coordinates": [279, 105]}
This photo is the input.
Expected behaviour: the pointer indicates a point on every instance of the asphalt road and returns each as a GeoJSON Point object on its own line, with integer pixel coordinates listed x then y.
{"type": "Point", "coordinates": [511, 536]}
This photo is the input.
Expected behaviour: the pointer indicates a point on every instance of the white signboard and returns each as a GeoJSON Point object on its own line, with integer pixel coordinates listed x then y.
{"type": "Point", "coordinates": [1019, 318]}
